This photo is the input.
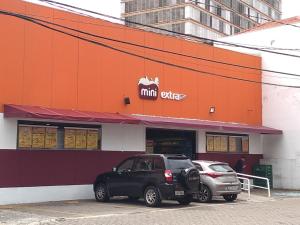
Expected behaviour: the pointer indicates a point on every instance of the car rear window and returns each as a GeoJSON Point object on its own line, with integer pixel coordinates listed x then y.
{"type": "Point", "coordinates": [221, 168]}
{"type": "Point", "coordinates": [158, 164]}
{"type": "Point", "coordinates": [178, 164]}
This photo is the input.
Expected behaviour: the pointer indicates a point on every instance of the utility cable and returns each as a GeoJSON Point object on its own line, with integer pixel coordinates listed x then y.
{"type": "Point", "coordinates": [101, 25]}
{"type": "Point", "coordinates": [160, 50]}
{"type": "Point", "coordinates": [20, 16]}
{"type": "Point", "coordinates": [172, 32]}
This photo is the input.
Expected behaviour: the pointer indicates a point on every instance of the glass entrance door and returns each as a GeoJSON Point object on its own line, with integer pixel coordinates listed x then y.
{"type": "Point", "coordinates": [166, 141]}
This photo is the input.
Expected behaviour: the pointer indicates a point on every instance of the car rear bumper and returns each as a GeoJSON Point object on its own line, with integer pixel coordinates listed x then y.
{"type": "Point", "coordinates": [174, 191]}
{"type": "Point", "coordinates": [222, 189]}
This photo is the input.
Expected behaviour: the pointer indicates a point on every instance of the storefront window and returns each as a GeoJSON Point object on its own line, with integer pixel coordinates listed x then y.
{"type": "Point", "coordinates": [34, 135]}
{"type": "Point", "coordinates": [232, 143]}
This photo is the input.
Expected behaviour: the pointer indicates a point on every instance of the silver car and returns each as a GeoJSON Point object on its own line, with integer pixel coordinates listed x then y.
{"type": "Point", "coordinates": [217, 179]}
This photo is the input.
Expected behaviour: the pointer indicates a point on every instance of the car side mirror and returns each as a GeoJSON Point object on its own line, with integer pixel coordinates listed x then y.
{"type": "Point", "coordinates": [114, 169]}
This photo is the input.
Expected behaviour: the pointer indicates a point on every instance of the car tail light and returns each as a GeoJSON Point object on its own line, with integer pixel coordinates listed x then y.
{"type": "Point", "coordinates": [213, 175]}
{"type": "Point", "coordinates": [169, 176]}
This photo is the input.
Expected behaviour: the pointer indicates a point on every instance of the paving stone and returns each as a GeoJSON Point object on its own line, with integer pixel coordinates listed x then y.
{"type": "Point", "coordinates": [259, 210]}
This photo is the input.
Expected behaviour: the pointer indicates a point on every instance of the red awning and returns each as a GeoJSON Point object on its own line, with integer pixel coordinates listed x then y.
{"type": "Point", "coordinates": [37, 112]}
{"type": "Point", "coordinates": [205, 124]}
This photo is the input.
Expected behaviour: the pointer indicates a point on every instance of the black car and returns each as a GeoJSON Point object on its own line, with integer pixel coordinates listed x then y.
{"type": "Point", "coordinates": [153, 177]}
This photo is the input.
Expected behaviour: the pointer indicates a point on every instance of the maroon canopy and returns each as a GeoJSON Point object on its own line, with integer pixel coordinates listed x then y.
{"type": "Point", "coordinates": [38, 112]}
{"type": "Point", "coordinates": [205, 124]}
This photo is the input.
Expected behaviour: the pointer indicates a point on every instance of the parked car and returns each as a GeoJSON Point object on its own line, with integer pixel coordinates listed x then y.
{"type": "Point", "coordinates": [217, 179]}
{"type": "Point", "coordinates": [153, 177]}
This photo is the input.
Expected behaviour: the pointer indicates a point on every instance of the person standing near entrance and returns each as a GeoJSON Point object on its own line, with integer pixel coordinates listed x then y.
{"type": "Point", "coordinates": [240, 165]}
{"type": "Point", "coordinates": [239, 168]}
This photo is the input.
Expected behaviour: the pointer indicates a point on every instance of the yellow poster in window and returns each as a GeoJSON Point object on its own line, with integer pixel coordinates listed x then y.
{"type": "Point", "coordinates": [70, 137]}
{"type": "Point", "coordinates": [217, 143]}
{"type": "Point", "coordinates": [25, 137]}
{"type": "Point", "coordinates": [92, 139]}
{"type": "Point", "coordinates": [38, 137]}
{"type": "Point", "coordinates": [51, 137]}
{"type": "Point", "coordinates": [81, 139]}
{"type": "Point", "coordinates": [223, 144]}
{"type": "Point", "coordinates": [210, 143]}
{"type": "Point", "coordinates": [232, 144]}
{"type": "Point", "coordinates": [245, 144]}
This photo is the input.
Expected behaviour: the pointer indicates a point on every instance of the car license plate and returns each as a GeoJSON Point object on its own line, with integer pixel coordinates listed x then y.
{"type": "Point", "coordinates": [179, 193]}
{"type": "Point", "coordinates": [232, 188]}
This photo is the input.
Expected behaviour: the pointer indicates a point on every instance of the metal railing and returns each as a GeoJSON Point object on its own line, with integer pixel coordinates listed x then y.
{"type": "Point", "coordinates": [246, 177]}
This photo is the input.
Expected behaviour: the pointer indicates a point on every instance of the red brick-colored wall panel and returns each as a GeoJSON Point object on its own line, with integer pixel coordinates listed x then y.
{"type": "Point", "coordinates": [10, 174]}
{"type": "Point", "coordinates": [89, 78]}
{"type": "Point", "coordinates": [51, 69]}
{"type": "Point", "coordinates": [12, 60]}
{"type": "Point", "coordinates": [25, 168]}
{"type": "Point", "coordinates": [37, 72]}
{"type": "Point", "coordinates": [65, 71]}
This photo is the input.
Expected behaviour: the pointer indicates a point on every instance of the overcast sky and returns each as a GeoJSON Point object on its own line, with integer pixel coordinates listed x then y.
{"type": "Point", "coordinates": [113, 7]}
{"type": "Point", "coordinates": [109, 7]}
{"type": "Point", "coordinates": [290, 8]}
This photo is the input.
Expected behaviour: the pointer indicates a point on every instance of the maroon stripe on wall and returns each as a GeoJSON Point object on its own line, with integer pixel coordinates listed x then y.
{"type": "Point", "coordinates": [231, 159]}
{"type": "Point", "coordinates": [24, 168]}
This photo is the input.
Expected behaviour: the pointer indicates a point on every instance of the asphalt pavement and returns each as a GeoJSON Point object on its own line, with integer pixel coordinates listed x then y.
{"type": "Point", "coordinates": [259, 209]}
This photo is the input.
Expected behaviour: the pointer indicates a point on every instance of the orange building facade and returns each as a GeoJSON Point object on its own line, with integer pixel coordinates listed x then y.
{"type": "Point", "coordinates": [130, 96]}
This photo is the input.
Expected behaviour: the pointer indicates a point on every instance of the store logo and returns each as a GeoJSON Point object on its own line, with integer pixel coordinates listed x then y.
{"type": "Point", "coordinates": [172, 96]}
{"type": "Point", "coordinates": [148, 89]}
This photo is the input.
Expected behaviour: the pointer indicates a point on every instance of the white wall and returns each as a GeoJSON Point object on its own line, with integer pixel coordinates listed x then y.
{"type": "Point", "coordinates": [281, 105]}
{"type": "Point", "coordinates": [201, 142]}
{"type": "Point", "coordinates": [8, 133]}
{"type": "Point", "coordinates": [255, 144]}
{"type": "Point", "coordinates": [117, 137]}
{"type": "Point", "coordinates": [46, 193]}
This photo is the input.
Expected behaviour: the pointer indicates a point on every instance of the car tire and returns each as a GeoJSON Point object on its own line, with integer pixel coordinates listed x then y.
{"type": "Point", "coordinates": [152, 196]}
{"type": "Point", "coordinates": [101, 193]}
{"type": "Point", "coordinates": [186, 200]}
{"type": "Point", "coordinates": [230, 198]}
{"type": "Point", "coordinates": [204, 194]}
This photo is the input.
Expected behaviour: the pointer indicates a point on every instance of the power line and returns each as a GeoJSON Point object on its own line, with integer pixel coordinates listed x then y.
{"type": "Point", "coordinates": [172, 32]}
{"type": "Point", "coordinates": [181, 34]}
{"type": "Point", "coordinates": [101, 25]}
{"type": "Point", "coordinates": [161, 50]}
{"type": "Point", "coordinates": [20, 16]}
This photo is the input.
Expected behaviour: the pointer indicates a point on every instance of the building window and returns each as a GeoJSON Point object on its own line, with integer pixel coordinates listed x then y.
{"type": "Point", "coordinates": [42, 135]}
{"type": "Point", "coordinates": [227, 143]}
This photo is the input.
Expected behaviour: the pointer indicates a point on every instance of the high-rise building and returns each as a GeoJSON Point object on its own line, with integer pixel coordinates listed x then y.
{"type": "Point", "coordinates": [204, 18]}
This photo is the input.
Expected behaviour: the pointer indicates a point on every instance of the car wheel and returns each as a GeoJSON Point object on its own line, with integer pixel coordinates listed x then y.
{"type": "Point", "coordinates": [204, 194]}
{"type": "Point", "coordinates": [101, 193]}
{"type": "Point", "coordinates": [152, 197]}
{"type": "Point", "coordinates": [186, 200]}
{"type": "Point", "coordinates": [230, 198]}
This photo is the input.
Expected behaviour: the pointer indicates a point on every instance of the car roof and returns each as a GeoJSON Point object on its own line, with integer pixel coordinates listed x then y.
{"type": "Point", "coordinates": [208, 162]}
{"type": "Point", "coordinates": [162, 155]}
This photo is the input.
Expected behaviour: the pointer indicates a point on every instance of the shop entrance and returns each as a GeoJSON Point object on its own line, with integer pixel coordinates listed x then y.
{"type": "Point", "coordinates": [164, 141]}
